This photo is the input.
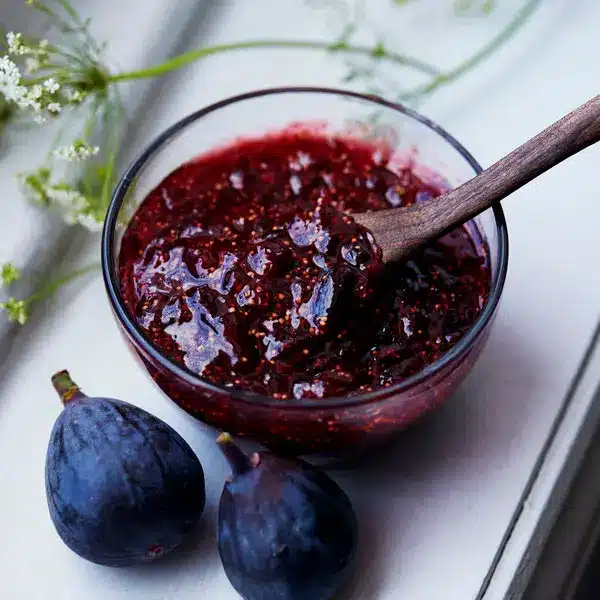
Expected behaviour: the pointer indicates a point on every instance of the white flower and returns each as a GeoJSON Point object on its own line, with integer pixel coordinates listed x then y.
{"type": "Point", "coordinates": [65, 197]}
{"type": "Point", "coordinates": [89, 222]}
{"type": "Point", "coordinates": [74, 96]}
{"type": "Point", "coordinates": [51, 85]}
{"type": "Point", "coordinates": [17, 47]}
{"type": "Point", "coordinates": [37, 98]}
{"type": "Point", "coordinates": [78, 150]}
{"type": "Point", "coordinates": [32, 65]}
{"type": "Point", "coordinates": [35, 92]}
{"type": "Point", "coordinates": [15, 44]}
{"type": "Point", "coordinates": [10, 86]}
{"type": "Point", "coordinates": [10, 80]}
{"type": "Point", "coordinates": [75, 207]}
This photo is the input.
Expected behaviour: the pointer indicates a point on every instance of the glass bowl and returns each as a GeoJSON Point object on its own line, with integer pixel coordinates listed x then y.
{"type": "Point", "coordinates": [330, 426]}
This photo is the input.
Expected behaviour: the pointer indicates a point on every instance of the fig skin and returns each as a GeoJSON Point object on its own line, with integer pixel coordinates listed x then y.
{"type": "Point", "coordinates": [122, 486]}
{"type": "Point", "coordinates": [286, 531]}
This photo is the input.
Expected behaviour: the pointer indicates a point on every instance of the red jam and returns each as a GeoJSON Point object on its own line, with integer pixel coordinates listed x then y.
{"type": "Point", "coordinates": [245, 267]}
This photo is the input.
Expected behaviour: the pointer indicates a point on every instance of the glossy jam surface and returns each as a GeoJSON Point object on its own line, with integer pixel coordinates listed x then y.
{"type": "Point", "coordinates": [245, 267]}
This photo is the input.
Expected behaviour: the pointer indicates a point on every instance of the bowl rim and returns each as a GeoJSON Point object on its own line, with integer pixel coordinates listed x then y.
{"type": "Point", "coordinates": [135, 333]}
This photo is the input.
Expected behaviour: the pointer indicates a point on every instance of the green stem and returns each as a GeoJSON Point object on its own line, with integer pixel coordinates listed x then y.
{"type": "Point", "coordinates": [189, 57]}
{"type": "Point", "coordinates": [518, 21]}
{"type": "Point", "coordinates": [65, 387]}
{"type": "Point", "coordinates": [238, 461]}
{"type": "Point", "coordinates": [112, 146]}
{"type": "Point", "coordinates": [37, 80]}
{"type": "Point", "coordinates": [438, 80]}
{"type": "Point", "coordinates": [50, 289]}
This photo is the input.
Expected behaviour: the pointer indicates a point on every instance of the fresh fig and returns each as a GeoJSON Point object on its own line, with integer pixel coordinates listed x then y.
{"type": "Point", "coordinates": [123, 487]}
{"type": "Point", "coordinates": [286, 531]}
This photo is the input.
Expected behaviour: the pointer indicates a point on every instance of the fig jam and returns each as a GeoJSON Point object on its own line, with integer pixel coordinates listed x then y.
{"type": "Point", "coordinates": [246, 267]}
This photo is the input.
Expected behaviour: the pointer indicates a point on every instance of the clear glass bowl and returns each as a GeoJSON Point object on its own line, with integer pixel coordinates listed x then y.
{"type": "Point", "coordinates": [330, 426]}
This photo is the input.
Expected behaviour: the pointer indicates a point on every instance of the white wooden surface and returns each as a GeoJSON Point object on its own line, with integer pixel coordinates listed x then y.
{"type": "Point", "coordinates": [434, 510]}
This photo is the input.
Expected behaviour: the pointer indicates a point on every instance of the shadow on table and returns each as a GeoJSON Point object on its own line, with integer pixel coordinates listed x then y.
{"type": "Point", "coordinates": [193, 563]}
{"type": "Point", "coordinates": [454, 445]}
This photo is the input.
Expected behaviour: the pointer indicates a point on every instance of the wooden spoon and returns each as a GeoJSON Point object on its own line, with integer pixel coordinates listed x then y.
{"type": "Point", "coordinates": [399, 231]}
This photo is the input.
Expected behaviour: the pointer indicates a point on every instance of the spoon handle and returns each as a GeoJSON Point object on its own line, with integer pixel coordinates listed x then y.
{"type": "Point", "coordinates": [571, 134]}
{"type": "Point", "coordinates": [401, 230]}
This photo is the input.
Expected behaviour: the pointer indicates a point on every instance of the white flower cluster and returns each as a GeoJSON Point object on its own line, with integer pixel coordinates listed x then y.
{"type": "Point", "coordinates": [15, 43]}
{"type": "Point", "coordinates": [36, 55]}
{"type": "Point", "coordinates": [44, 99]}
{"type": "Point", "coordinates": [37, 98]}
{"type": "Point", "coordinates": [75, 207]}
{"type": "Point", "coordinates": [77, 151]}
{"type": "Point", "coordinates": [74, 96]}
{"type": "Point", "coordinates": [88, 221]}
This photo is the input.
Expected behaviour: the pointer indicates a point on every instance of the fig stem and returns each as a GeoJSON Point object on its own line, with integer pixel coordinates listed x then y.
{"type": "Point", "coordinates": [66, 388]}
{"type": "Point", "coordinates": [240, 463]}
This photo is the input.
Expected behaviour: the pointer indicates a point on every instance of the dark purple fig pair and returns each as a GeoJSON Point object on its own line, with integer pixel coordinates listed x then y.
{"type": "Point", "coordinates": [123, 488]}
